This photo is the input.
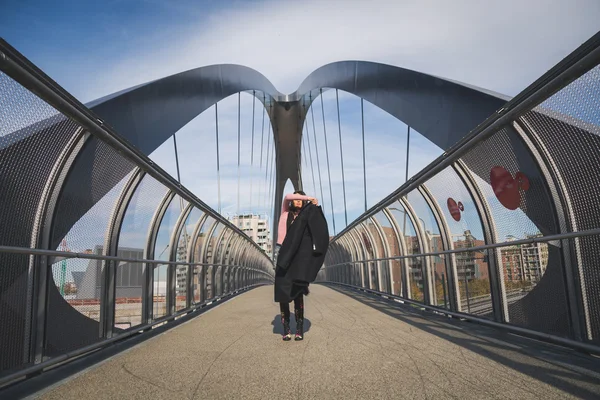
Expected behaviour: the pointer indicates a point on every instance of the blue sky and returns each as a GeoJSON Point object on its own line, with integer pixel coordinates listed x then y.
{"type": "Point", "coordinates": [96, 48]}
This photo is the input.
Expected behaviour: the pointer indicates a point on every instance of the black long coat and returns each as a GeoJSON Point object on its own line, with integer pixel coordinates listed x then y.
{"type": "Point", "coordinates": [301, 254]}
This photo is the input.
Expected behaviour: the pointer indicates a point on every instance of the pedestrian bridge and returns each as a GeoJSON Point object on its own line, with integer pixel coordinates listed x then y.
{"type": "Point", "coordinates": [137, 261]}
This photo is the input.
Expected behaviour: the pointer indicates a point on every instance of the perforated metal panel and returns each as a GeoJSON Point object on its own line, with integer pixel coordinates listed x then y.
{"type": "Point", "coordinates": [521, 207]}
{"type": "Point", "coordinates": [28, 126]}
{"type": "Point", "coordinates": [567, 124]}
{"type": "Point", "coordinates": [85, 205]}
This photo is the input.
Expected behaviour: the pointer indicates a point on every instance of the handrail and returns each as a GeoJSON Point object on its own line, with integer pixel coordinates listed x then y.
{"type": "Point", "coordinates": [91, 256]}
{"type": "Point", "coordinates": [539, 239]}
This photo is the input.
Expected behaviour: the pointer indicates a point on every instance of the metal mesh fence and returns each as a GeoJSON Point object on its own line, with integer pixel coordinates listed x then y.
{"type": "Point", "coordinates": [519, 202]}
{"type": "Point", "coordinates": [85, 205]}
{"type": "Point", "coordinates": [61, 189]}
{"type": "Point", "coordinates": [568, 126]}
{"type": "Point", "coordinates": [73, 312]}
{"type": "Point", "coordinates": [27, 126]}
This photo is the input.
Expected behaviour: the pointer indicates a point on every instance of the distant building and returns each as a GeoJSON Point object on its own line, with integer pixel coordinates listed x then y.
{"type": "Point", "coordinates": [524, 262]}
{"type": "Point", "coordinates": [256, 228]}
{"type": "Point", "coordinates": [470, 265]}
{"type": "Point", "coordinates": [128, 279]}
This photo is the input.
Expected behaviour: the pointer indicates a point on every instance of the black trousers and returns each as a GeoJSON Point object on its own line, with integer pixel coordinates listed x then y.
{"type": "Point", "coordinates": [298, 308]}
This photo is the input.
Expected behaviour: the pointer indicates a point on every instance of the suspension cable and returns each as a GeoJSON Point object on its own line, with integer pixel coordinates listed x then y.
{"type": "Point", "coordinates": [316, 149]}
{"type": "Point", "coordinates": [312, 170]}
{"type": "Point", "coordinates": [362, 116]}
{"type": "Point", "coordinates": [262, 136]}
{"type": "Point", "coordinates": [218, 169]}
{"type": "Point", "coordinates": [306, 161]}
{"type": "Point", "coordinates": [252, 148]}
{"type": "Point", "coordinates": [268, 150]}
{"type": "Point", "coordinates": [327, 158]}
{"type": "Point", "coordinates": [239, 150]}
{"type": "Point", "coordinates": [337, 100]}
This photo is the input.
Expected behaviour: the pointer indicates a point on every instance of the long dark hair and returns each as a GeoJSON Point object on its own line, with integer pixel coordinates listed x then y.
{"type": "Point", "coordinates": [292, 207]}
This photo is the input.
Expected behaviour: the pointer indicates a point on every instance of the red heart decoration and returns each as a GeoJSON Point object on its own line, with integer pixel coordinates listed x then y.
{"type": "Point", "coordinates": [505, 188]}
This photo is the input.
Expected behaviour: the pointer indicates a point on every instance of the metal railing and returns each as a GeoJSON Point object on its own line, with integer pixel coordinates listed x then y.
{"type": "Point", "coordinates": [32, 338]}
{"type": "Point", "coordinates": [533, 131]}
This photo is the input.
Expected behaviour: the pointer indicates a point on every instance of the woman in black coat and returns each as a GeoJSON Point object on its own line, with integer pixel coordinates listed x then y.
{"type": "Point", "coordinates": [300, 257]}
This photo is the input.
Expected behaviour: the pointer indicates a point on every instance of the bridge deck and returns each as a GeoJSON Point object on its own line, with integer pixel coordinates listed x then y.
{"type": "Point", "coordinates": [356, 347]}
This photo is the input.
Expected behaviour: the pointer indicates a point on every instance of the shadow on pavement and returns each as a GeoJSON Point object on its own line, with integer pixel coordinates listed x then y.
{"type": "Point", "coordinates": [568, 370]}
{"type": "Point", "coordinates": [278, 325]}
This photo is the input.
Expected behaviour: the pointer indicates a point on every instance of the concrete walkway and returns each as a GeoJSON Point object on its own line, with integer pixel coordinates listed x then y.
{"type": "Point", "coordinates": [356, 347]}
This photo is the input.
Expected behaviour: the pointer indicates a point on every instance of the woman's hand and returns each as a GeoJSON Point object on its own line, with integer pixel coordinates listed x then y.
{"type": "Point", "coordinates": [314, 201]}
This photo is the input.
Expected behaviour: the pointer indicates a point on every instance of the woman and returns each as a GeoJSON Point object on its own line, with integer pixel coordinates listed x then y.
{"type": "Point", "coordinates": [292, 205]}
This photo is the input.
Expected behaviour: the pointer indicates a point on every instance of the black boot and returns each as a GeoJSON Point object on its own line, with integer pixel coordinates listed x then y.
{"type": "Point", "coordinates": [287, 332]}
{"type": "Point", "coordinates": [299, 323]}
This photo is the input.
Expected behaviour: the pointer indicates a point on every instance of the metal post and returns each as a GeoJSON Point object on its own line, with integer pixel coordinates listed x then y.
{"type": "Point", "coordinates": [252, 148]}
{"type": "Point", "coordinates": [218, 169]}
{"type": "Point", "coordinates": [362, 116]}
{"type": "Point", "coordinates": [238, 155]}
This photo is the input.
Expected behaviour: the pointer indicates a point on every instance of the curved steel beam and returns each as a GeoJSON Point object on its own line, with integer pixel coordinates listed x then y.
{"type": "Point", "coordinates": [442, 110]}
{"type": "Point", "coordinates": [146, 115]}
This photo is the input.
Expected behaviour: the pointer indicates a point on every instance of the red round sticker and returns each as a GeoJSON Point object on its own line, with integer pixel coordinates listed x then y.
{"type": "Point", "coordinates": [454, 209]}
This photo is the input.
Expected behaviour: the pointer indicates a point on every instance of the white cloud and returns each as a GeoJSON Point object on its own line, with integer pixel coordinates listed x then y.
{"type": "Point", "coordinates": [488, 44]}
{"type": "Point", "coordinates": [501, 46]}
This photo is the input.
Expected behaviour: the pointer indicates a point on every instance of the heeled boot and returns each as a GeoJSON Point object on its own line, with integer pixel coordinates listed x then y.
{"type": "Point", "coordinates": [287, 332]}
{"type": "Point", "coordinates": [299, 312]}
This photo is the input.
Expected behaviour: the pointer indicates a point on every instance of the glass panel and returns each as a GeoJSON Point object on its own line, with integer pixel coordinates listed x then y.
{"type": "Point", "coordinates": [220, 252]}
{"type": "Point", "coordinates": [415, 282]}
{"type": "Point", "coordinates": [382, 281]}
{"type": "Point", "coordinates": [208, 259]}
{"type": "Point", "coordinates": [430, 227]}
{"type": "Point", "coordinates": [159, 300]}
{"type": "Point", "coordinates": [78, 307]}
{"type": "Point", "coordinates": [393, 266]}
{"type": "Point", "coordinates": [370, 268]}
{"type": "Point", "coordinates": [474, 292]}
{"type": "Point", "coordinates": [440, 281]}
{"type": "Point", "coordinates": [132, 242]}
{"type": "Point", "coordinates": [231, 247]}
{"type": "Point", "coordinates": [162, 252]}
{"type": "Point", "coordinates": [360, 268]}
{"type": "Point", "coordinates": [212, 244]}
{"type": "Point", "coordinates": [197, 281]}
{"type": "Point", "coordinates": [466, 231]}
{"type": "Point", "coordinates": [183, 245]}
